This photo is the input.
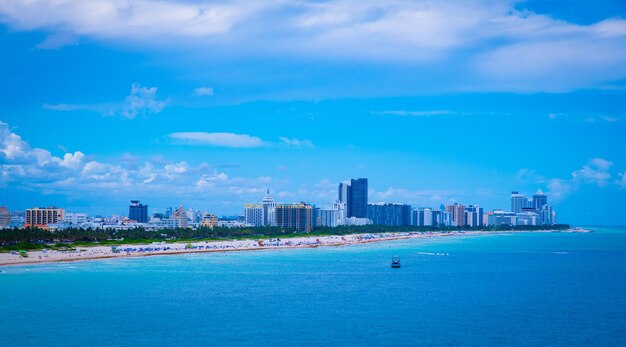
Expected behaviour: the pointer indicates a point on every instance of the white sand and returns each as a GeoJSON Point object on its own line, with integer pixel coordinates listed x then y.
{"type": "Point", "coordinates": [102, 252]}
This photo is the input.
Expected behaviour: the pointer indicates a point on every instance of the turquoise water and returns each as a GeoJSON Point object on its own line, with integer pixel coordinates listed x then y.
{"type": "Point", "coordinates": [526, 289]}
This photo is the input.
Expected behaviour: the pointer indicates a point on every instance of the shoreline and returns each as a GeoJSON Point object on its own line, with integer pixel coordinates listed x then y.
{"type": "Point", "coordinates": [157, 249]}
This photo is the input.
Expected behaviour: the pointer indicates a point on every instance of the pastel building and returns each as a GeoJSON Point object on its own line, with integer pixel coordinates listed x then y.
{"type": "Point", "coordinates": [180, 216]}
{"type": "Point", "coordinates": [42, 216]}
{"type": "Point", "coordinates": [458, 214]}
{"type": "Point", "coordinates": [5, 217]}
{"type": "Point", "coordinates": [209, 220]}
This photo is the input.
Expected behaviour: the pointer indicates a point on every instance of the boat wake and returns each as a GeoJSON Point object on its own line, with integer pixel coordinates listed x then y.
{"type": "Point", "coordinates": [433, 253]}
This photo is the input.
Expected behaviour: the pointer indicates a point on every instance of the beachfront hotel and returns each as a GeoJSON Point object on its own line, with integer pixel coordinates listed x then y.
{"type": "Point", "coordinates": [298, 217]}
{"type": "Point", "coordinates": [42, 216]}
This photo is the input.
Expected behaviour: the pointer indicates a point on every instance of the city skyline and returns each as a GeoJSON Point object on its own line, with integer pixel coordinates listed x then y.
{"type": "Point", "coordinates": [448, 101]}
{"type": "Point", "coordinates": [300, 216]}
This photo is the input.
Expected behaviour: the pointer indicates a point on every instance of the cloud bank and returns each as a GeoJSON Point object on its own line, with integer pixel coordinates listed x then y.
{"type": "Point", "coordinates": [497, 45]}
{"type": "Point", "coordinates": [76, 174]}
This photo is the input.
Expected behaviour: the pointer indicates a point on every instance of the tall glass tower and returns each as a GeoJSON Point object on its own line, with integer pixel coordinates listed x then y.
{"type": "Point", "coordinates": [357, 202]}
{"type": "Point", "coordinates": [138, 211]}
{"type": "Point", "coordinates": [518, 201]}
{"type": "Point", "coordinates": [539, 200]}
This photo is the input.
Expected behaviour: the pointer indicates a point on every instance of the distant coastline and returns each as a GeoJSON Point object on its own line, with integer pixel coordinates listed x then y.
{"type": "Point", "coordinates": [97, 252]}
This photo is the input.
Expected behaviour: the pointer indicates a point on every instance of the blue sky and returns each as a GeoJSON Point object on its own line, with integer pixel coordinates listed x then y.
{"type": "Point", "coordinates": [207, 104]}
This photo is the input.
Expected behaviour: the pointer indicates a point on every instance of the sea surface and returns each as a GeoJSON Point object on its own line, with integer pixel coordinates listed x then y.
{"type": "Point", "coordinates": [523, 289]}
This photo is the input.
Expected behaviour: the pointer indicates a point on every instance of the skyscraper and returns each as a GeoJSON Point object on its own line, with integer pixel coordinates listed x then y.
{"type": "Point", "coordinates": [458, 214]}
{"type": "Point", "coordinates": [357, 198]}
{"type": "Point", "coordinates": [269, 210]}
{"type": "Point", "coordinates": [518, 201]}
{"type": "Point", "coordinates": [344, 192]}
{"type": "Point", "coordinates": [539, 200]}
{"type": "Point", "coordinates": [474, 216]}
{"type": "Point", "coordinates": [138, 211]}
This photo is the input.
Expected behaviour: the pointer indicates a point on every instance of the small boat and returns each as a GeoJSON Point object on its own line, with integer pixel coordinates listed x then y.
{"type": "Point", "coordinates": [395, 262]}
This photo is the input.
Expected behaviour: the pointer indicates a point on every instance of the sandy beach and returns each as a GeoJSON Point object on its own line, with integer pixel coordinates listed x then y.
{"type": "Point", "coordinates": [162, 248]}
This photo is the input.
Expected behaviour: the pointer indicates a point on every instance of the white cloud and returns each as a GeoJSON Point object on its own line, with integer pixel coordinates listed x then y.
{"type": "Point", "coordinates": [558, 189]}
{"type": "Point", "coordinates": [217, 139]}
{"type": "Point", "coordinates": [58, 40]}
{"type": "Point", "coordinates": [556, 115]}
{"type": "Point", "coordinates": [73, 175]}
{"type": "Point", "coordinates": [622, 180]}
{"type": "Point", "coordinates": [595, 172]}
{"type": "Point", "coordinates": [73, 161]}
{"type": "Point", "coordinates": [142, 101]}
{"type": "Point", "coordinates": [296, 143]}
{"type": "Point", "coordinates": [203, 91]}
{"type": "Point", "coordinates": [609, 119]}
{"type": "Point", "coordinates": [120, 19]}
{"type": "Point", "coordinates": [404, 113]}
{"type": "Point", "coordinates": [232, 140]}
{"type": "Point", "coordinates": [500, 46]}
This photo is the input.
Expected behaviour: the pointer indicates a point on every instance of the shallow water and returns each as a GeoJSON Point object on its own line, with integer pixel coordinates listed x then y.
{"type": "Point", "coordinates": [510, 289]}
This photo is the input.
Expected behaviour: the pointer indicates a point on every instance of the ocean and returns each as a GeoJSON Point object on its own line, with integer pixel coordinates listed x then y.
{"type": "Point", "coordinates": [517, 289]}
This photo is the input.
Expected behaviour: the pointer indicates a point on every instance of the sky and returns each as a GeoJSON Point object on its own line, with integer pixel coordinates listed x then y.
{"type": "Point", "coordinates": [209, 103]}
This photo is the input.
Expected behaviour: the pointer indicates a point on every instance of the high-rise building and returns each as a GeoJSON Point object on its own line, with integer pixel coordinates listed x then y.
{"type": "Point", "coordinates": [18, 218]}
{"type": "Point", "coordinates": [342, 213]}
{"type": "Point", "coordinates": [426, 216]}
{"type": "Point", "coordinates": [5, 217]}
{"type": "Point", "coordinates": [180, 216]}
{"type": "Point", "coordinates": [458, 214]}
{"type": "Point", "coordinates": [209, 220]}
{"type": "Point", "coordinates": [446, 218]}
{"type": "Point", "coordinates": [327, 217]}
{"type": "Point", "coordinates": [518, 201]}
{"type": "Point", "coordinates": [42, 216]}
{"type": "Point", "coordinates": [269, 210]}
{"type": "Point", "coordinates": [547, 215]}
{"type": "Point", "coordinates": [253, 215]}
{"type": "Point", "coordinates": [297, 217]}
{"type": "Point", "coordinates": [389, 214]}
{"type": "Point", "coordinates": [357, 201]}
{"type": "Point", "coordinates": [421, 217]}
{"type": "Point", "coordinates": [75, 219]}
{"type": "Point", "coordinates": [501, 217]}
{"type": "Point", "coordinates": [539, 200]}
{"type": "Point", "coordinates": [527, 218]}
{"type": "Point", "coordinates": [138, 212]}
{"type": "Point", "coordinates": [474, 216]}
{"type": "Point", "coordinates": [344, 192]}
